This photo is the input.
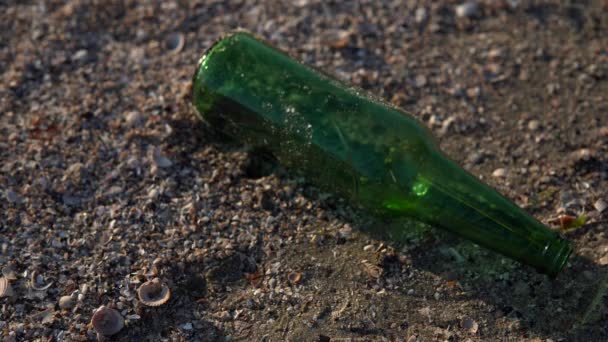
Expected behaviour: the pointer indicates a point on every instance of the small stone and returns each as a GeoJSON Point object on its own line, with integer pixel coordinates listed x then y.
{"type": "Point", "coordinates": [473, 92]}
{"type": "Point", "coordinates": [495, 53]}
{"type": "Point", "coordinates": [583, 154]}
{"type": "Point", "coordinates": [66, 302]}
{"type": "Point", "coordinates": [467, 10]}
{"type": "Point", "coordinates": [513, 3]}
{"type": "Point", "coordinates": [187, 326]}
{"type": "Point", "coordinates": [533, 125]}
{"type": "Point", "coordinates": [421, 15]}
{"type": "Point", "coordinates": [336, 38]}
{"type": "Point", "coordinates": [159, 159]}
{"type": "Point", "coordinates": [600, 205]}
{"type": "Point", "coordinates": [420, 81]}
{"type": "Point", "coordinates": [476, 158]}
{"type": "Point", "coordinates": [12, 196]}
{"type": "Point", "coordinates": [80, 55]}
{"type": "Point", "coordinates": [346, 232]}
{"type": "Point", "coordinates": [469, 325]}
{"type": "Point", "coordinates": [499, 173]}
{"type": "Point", "coordinates": [133, 119]}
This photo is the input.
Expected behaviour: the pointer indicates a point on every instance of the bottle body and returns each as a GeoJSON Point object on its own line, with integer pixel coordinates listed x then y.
{"type": "Point", "coordinates": [361, 147]}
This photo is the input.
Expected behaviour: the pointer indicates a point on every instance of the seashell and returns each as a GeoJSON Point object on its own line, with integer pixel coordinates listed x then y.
{"type": "Point", "coordinates": [46, 316]}
{"type": "Point", "coordinates": [294, 278]}
{"type": "Point", "coordinates": [35, 279]}
{"type": "Point", "coordinates": [175, 42]}
{"type": "Point", "coordinates": [154, 293]}
{"type": "Point", "coordinates": [107, 321]}
{"type": "Point", "coordinates": [9, 273]}
{"type": "Point", "coordinates": [5, 288]}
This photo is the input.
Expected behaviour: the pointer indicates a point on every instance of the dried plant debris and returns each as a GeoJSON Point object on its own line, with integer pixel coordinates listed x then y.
{"type": "Point", "coordinates": [372, 270]}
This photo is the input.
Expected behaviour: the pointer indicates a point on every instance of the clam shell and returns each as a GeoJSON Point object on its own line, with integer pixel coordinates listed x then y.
{"type": "Point", "coordinates": [5, 288]}
{"type": "Point", "coordinates": [107, 321]}
{"type": "Point", "coordinates": [154, 293]}
{"type": "Point", "coordinates": [294, 278]}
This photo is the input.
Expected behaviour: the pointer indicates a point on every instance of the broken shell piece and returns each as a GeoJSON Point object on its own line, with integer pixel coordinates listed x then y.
{"type": "Point", "coordinates": [154, 293]}
{"type": "Point", "coordinates": [9, 273]}
{"type": "Point", "coordinates": [107, 321]}
{"type": "Point", "coordinates": [5, 288]}
{"type": "Point", "coordinates": [175, 42]}
{"type": "Point", "coordinates": [35, 279]}
{"type": "Point", "coordinates": [294, 278]}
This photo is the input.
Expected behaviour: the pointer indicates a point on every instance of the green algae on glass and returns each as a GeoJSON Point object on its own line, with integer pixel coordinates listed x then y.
{"type": "Point", "coordinates": [348, 141]}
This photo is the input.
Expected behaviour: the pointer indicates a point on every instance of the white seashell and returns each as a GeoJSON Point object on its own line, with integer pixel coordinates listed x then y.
{"type": "Point", "coordinates": [107, 321]}
{"type": "Point", "coordinates": [154, 293]}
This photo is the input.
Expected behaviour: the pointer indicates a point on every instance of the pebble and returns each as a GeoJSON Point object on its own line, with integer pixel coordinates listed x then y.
{"type": "Point", "coordinates": [159, 159]}
{"type": "Point", "coordinates": [600, 205]}
{"type": "Point", "coordinates": [467, 10]}
{"type": "Point", "coordinates": [476, 158]}
{"type": "Point", "coordinates": [66, 302]}
{"type": "Point", "coordinates": [533, 125]}
{"type": "Point", "coordinates": [499, 173]}
{"type": "Point", "coordinates": [420, 81]}
{"type": "Point", "coordinates": [12, 196]}
{"type": "Point", "coordinates": [80, 55]}
{"type": "Point", "coordinates": [474, 92]}
{"type": "Point", "coordinates": [421, 15]}
{"type": "Point", "coordinates": [583, 154]}
{"type": "Point", "coordinates": [134, 119]}
{"type": "Point", "coordinates": [187, 326]}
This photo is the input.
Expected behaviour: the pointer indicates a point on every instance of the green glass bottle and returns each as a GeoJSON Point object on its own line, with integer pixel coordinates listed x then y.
{"type": "Point", "coordinates": [353, 143]}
